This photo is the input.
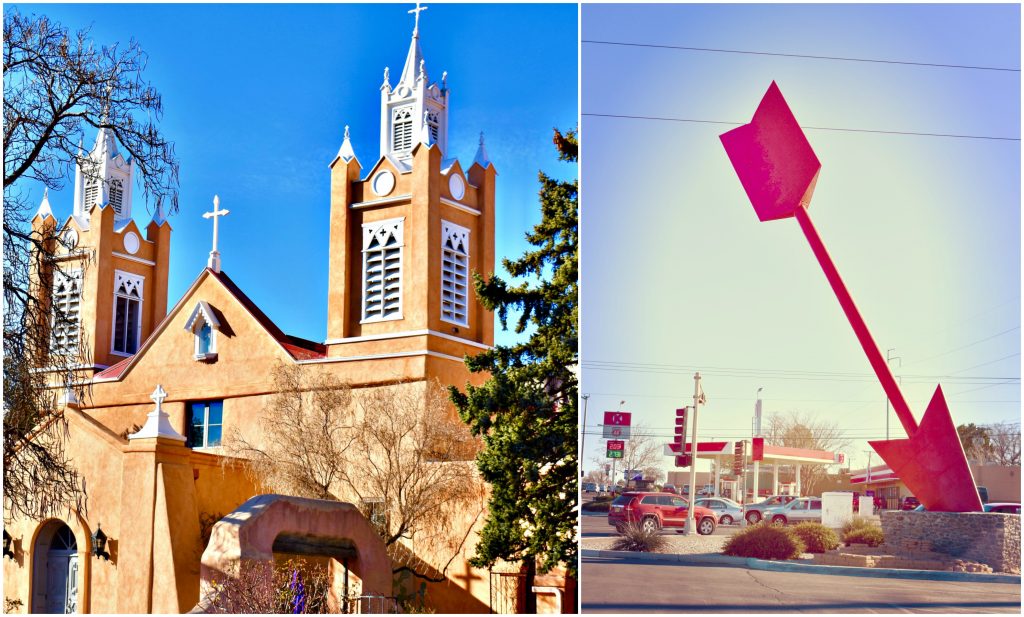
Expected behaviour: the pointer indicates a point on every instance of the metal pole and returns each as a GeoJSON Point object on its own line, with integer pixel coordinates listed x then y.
{"type": "Point", "coordinates": [693, 459]}
{"type": "Point", "coordinates": [583, 435]}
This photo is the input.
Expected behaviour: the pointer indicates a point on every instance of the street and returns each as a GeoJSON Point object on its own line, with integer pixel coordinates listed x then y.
{"type": "Point", "coordinates": [634, 586]}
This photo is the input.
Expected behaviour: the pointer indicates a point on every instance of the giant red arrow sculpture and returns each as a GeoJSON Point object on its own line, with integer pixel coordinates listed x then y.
{"type": "Point", "coordinates": [778, 170]}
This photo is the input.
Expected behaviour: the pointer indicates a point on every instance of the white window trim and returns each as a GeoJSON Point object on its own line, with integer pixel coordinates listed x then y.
{"type": "Point", "coordinates": [74, 275]}
{"type": "Point", "coordinates": [369, 229]}
{"type": "Point", "coordinates": [136, 279]}
{"type": "Point", "coordinates": [202, 315]}
{"type": "Point", "coordinates": [206, 424]}
{"type": "Point", "coordinates": [395, 112]}
{"type": "Point", "coordinates": [451, 229]}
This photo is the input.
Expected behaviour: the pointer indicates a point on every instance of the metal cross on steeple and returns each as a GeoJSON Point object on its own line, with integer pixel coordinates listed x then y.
{"type": "Point", "coordinates": [419, 9]}
{"type": "Point", "coordinates": [214, 261]}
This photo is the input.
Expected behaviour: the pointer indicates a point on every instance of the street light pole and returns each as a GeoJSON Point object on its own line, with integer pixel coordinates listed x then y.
{"type": "Point", "coordinates": [583, 434]}
{"type": "Point", "coordinates": [697, 395]}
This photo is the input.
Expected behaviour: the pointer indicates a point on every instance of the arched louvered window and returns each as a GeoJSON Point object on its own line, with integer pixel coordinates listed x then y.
{"type": "Point", "coordinates": [454, 273]}
{"type": "Point", "coordinates": [127, 312]}
{"type": "Point", "coordinates": [117, 196]}
{"type": "Point", "coordinates": [401, 129]}
{"type": "Point", "coordinates": [67, 298]}
{"type": "Point", "coordinates": [433, 124]}
{"type": "Point", "coordinates": [382, 270]}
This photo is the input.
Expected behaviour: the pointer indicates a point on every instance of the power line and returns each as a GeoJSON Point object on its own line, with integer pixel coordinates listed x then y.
{"type": "Point", "coordinates": [810, 128]}
{"type": "Point", "coordinates": [964, 346]}
{"type": "Point", "coordinates": [783, 400]}
{"type": "Point", "coordinates": [803, 56]}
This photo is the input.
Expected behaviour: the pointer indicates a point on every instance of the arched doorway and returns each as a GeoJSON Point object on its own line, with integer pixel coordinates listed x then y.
{"type": "Point", "coordinates": [55, 570]}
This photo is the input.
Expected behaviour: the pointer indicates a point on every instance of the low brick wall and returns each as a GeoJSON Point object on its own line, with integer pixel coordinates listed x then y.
{"type": "Point", "coordinates": [984, 537]}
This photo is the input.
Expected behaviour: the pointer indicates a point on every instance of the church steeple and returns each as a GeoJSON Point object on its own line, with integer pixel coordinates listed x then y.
{"type": "Point", "coordinates": [413, 106]}
{"type": "Point", "coordinates": [103, 177]}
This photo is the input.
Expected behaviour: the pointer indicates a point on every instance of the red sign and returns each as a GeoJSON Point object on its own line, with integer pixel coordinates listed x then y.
{"type": "Point", "coordinates": [617, 418]}
{"type": "Point", "coordinates": [757, 452]}
{"type": "Point", "coordinates": [616, 444]}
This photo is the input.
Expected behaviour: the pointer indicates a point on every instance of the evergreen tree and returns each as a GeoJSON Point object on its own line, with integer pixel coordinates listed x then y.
{"type": "Point", "coordinates": [527, 411]}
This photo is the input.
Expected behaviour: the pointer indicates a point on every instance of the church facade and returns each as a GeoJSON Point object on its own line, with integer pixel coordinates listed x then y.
{"type": "Point", "coordinates": [161, 386]}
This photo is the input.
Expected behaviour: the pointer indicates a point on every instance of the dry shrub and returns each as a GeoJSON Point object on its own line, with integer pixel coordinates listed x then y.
{"type": "Point", "coordinates": [290, 587]}
{"type": "Point", "coordinates": [872, 536]}
{"type": "Point", "coordinates": [635, 538]}
{"type": "Point", "coordinates": [765, 541]}
{"type": "Point", "coordinates": [816, 537]}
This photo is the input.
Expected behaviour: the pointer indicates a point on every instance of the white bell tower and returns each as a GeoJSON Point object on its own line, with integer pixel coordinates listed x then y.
{"type": "Point", "coordinates": [415, 110]}
{"type": "Point", "coordinates": [103, 177]}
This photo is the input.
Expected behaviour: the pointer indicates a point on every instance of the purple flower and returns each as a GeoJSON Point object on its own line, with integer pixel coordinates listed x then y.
{"type": "Point", "coordinates": [298, 593]}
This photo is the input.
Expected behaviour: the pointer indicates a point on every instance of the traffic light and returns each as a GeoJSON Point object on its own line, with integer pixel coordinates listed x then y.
{"type": "Point", "coordinates": [683, 460]}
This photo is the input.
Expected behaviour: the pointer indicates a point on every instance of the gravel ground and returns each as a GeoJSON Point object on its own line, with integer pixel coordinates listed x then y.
{"type": "Point", "coordinates": [677, 544]}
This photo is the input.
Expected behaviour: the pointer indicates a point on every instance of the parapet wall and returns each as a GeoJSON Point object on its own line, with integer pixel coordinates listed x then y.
{"type": "Point", "coordinates": [984, 537]}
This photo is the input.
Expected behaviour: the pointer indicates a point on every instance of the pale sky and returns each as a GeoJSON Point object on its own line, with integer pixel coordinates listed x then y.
{"type": "Point", "coordinates": [925, 231]}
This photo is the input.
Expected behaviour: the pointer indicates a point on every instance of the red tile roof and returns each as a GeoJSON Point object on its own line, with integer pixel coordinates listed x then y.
{"type": "Point", "coordinates": [113, 372]}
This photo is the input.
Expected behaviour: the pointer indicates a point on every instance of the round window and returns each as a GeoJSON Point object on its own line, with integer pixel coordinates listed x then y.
{"type": "Point", "coordinates": [383, 183]}
{"type": "Point", "coordinates": [457, 186]}
{"type": "Point", "coordinates": [131, 242]}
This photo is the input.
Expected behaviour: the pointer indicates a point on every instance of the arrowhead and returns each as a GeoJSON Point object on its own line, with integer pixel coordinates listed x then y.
{"type": "Point", "coordinates": [773, 159]}
{"type": "Point", "coordinates": [932, 463]}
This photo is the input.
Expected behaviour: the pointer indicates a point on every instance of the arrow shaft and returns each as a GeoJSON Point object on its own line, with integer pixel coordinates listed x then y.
{"type": "Point", "coordinates": [875, 357]}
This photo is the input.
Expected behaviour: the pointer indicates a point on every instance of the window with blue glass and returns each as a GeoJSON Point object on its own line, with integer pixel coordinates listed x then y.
{"type": "Point", "coordinates": [205, 342]}
{"type": "Point", "coordinates": [207, 424]}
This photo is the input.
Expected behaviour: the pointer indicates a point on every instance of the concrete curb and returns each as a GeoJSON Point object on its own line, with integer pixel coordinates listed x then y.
{"type": "Point", "coordinates": [924, 575]}
{"type": "Point", "coordinates": [703, 560]}
{"type": "Point", "coordinates": [783, 566]}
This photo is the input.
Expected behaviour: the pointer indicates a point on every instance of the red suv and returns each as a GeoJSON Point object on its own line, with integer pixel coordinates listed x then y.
{"type": "Point", "coordinates": [658, 511]}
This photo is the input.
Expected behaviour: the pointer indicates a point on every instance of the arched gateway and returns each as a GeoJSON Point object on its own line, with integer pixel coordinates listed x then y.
{"type": "Point", "coordinates": [268, 524]}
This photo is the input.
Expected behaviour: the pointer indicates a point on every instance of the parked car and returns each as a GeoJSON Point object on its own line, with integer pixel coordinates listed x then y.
{"type": "Point", "coordinates": [727, 510]}
{"type": "Point", "coordinates": [998, 506]}
{"type": "Point", "coordinates": [909, 503]}
{"type": "Point", "coordinates": [589, 487]}
{"type": "Point", "coordinates": [1003, 508]}
{"type": "Point", "coordinates": [658, 511]}
{"type": "Point", "coordinates": [796, 511]}
{"type": "Point", "coordinates": [670, 488]}
{"type": "Point", "coordinates": [755, 512]}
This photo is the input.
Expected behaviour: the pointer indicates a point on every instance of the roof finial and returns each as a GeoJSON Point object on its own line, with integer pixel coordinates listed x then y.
{"type": "Point", "coordinates": [481, 157]}
{"type": "Point", "coordinates": [346, 153]}
{"type": "Point", "coordinates": [44, 206]}
{"type": "Point", "coordinates": [423, 71]}
{"type": "Point", "coordinates": [214, 261]}
{"type": "Point", "coordinates": [416, 11]}
{"type": "Point", "coordinates": [387, 79]}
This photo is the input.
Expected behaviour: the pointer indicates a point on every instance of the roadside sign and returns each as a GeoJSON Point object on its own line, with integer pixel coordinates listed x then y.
{"type": "Point", "coordinates": [615, 448]}
{"type": "Point", "coordinates": [757, 449]}
{"type": "Point", "coordinates": [616, 425]}
{"type": "Point", "coordinates": [740, 457]}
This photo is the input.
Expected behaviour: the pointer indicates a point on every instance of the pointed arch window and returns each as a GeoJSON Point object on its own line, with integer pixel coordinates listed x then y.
{"type": "Point", "coordinates": [92, 193]}
{"type": "Point", "coordinates": [454, 274]}
{"type": "Point", "coordinates": [127, 313]}
{"type": "Point", "coordinates": [117, 196]}
{"type": "Point", "coordinates": [204, 326]}
{"type": "Point", "coordinates": [67, 299]}
{"type": "Point", "coordinates": [401, 129]}
{"type": "Point", "coordinates": [434, 124]}
{"type": "Point", "coordinates": [382, 270]}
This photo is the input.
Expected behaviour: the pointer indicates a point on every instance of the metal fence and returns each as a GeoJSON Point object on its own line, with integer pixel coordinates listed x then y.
{"type": "Point", "coordinates": [508, 592]}
{"type": "Point", "coordinates": [371, 605]}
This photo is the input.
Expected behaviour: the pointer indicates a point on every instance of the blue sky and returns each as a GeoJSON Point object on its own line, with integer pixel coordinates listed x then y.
{"type": "Point", "coordinates": [678, 272]}
{"type": "Point", "coordinates": [256, 99]}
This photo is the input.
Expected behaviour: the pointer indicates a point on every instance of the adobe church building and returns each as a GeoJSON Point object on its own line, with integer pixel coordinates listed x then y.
{"type": "Point", "coordinates": [404, 237]}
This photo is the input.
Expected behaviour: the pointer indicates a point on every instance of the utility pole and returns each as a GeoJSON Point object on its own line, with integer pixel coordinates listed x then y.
{"type": "Point", "coordinates": [757, 433]}
{"type": "Point", "coordinates": [889, 359]}
{"type": "Point", "coordinates": [698, 398]}
{"type": "Point", "coordinates": [583, 434]}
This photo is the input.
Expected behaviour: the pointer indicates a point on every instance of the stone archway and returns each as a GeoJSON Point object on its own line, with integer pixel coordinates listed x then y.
{"type": "Point", "coordinates": [56, 569]}
{"type": "Point", "coordinates": [266, 524]}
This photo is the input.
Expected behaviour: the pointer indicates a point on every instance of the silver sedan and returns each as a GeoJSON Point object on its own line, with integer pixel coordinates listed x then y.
{"type": "Point", "coordinates": [726, 510]}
